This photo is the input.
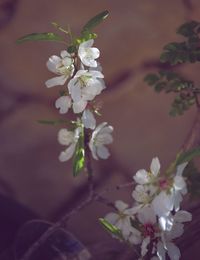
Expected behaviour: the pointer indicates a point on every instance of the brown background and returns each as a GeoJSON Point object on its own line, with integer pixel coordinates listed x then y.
{"type": "Point", "coordinates": [130, 42]}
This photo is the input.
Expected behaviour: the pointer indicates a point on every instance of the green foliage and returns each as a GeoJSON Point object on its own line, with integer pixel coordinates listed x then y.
{"type": "Point", "coordinates": [93, 22]}
{"type": "Point", "coordinates": [192, 175]}
{"type": "Point", "coordinates": [188, 156]}
{"type": "Point", "coordinates": [47, 36]}
{"type": "Point", "coordinates": [168, 81]}
{"type": "Point", "coordinates": [185, 51]}
{"type": "Point", "coordinates": [52, 122]}
{"type": "Point", "coordinates": [79, 155]}
{"type": "Point", "coordinates": [113, 230]}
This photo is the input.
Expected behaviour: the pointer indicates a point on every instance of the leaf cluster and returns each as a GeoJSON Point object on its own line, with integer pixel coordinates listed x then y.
{"type": "Point", "coordinates": [86, 33]}
{"type": "Point", "coordinates": [187, 50]}
{"type": "Point", "coordinates": [170, 82]}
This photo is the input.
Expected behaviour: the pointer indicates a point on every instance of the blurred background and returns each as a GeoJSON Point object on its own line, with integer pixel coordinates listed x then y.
{"type": "Point", "coordinates": [32, 180]}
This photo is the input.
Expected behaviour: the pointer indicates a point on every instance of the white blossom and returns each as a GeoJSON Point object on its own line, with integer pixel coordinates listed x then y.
{"type": "Point", "coordinates": [101, 136]}
{"type": "Point", "coordinates": [143, 193]}
{"type": "Point", "coordinates": [63, 103]}
{"type": "Point", "coordinates": [144, 177]}
{"type": "Point", "coordinates": [68, 138]}
{"type": "Point", "coordinates": [121, 219]}
{"type": "Point", "coordinates": [84, 87]}
{"type": "Point", "coordinates": [62, 66]}
{"type": "Point", "coordinates": [88, 54]}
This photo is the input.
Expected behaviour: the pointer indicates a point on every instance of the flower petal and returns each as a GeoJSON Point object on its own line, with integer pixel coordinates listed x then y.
{"type": "Point", "coordinates": [103, 152]}
{"type": "Point", "coordinates": [120, 205]}
{"type": "Point", "coordinates": [68, 153]}
{"type": "Point", "coordinates": [155, 166]}
{"type": "Point", "coordinates": [65, 137]}
{"type": "Point", "coordinates": [88, 119]}
{"type": "Point", "coordinates": [63, 103]}
{"type": "Point", "coordinates": [183, 216]}
{"type": "Point", "coordinates": [173, 251]}
{"type": "Point", "coordinates": [141, 177]}
{"type": "Point", "coordinates": [56, 81]}
{"type": "Point", "coordinates": [79, 106]}
{"type": "Point", "coordinates": [161, 251]}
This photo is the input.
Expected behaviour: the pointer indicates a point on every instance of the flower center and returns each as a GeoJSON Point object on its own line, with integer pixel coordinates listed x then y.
{"type": "Point", "coordinates": [163, 184]}
{"type": "Point", "coordinates": [149, 230]}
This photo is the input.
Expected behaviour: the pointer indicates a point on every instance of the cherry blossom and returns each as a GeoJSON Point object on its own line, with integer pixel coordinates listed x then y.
{"type": "Point", "coordinates": [63, 103]}
{"type": "Point", "coordinates": [101, 136]}
{"type": "Point", "coordinates": [84, 87]}
{"type": "Point", "coordinates": [68, 138]}
{"type": "Point", "coordinates": [61, 66]}
{"type": "Point", "coordinates": [88, 54]}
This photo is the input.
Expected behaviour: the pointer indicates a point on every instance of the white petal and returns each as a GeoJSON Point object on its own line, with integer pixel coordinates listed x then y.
{"type": "Point", "coordinates": [63, 103]}
{"type": "Point", "coordinates": [179, 183]}
{"type": "Point", "coordinates": [181, 168]}
{"type": "Point", "coordinates": [183, 216]}
{"type": "Point", "coordinates": [64, 54]}
{"type": "Point", "coordinates": [120, 205]}
{"type": "Point", "coordinates": [176, 231]}
{"type": "Point", "coordinates": [103, 152]}
{"type": "Point", "coordinates": [87, 44]}
{"type": "Point", "coordinates": [147, 215]}
{"type": "Point", "coordinates": [141, 177]}
{"type": "Point", "coordinates": [65, 137]}
{"type": "Point", "coordinates": [144, 245]}
{"type": "Point", "coordinates": [74, 90]}
{"type": "Point", "coordinates": [112, 218]}
{"type": "Point", "coordinates": [93, 149]}
{"type": "Point", "coordinates": [56, 81]}
{"type": "Point", "coordinates": [78, 107]}
{"type": "Point", "coordinates": [53, 62]}
{"type": "Point", "coordinates": [68, 153]}
{"type": "Point", "coordinates": [155, 166]}
{"type": "Point", "coordinates": [88, 119]}
{"type": "Point", "coordinates": [173, 251]}
{"type": "Point", "coordinates": [163, 204]}
{"type": "Point", "coordinates": [160, 251]}
{"type": "Point", "coordinates": [90, 62]}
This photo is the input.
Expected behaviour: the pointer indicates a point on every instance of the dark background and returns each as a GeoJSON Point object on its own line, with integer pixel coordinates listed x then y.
{"type": "Point", "coordinates": [130, 41]}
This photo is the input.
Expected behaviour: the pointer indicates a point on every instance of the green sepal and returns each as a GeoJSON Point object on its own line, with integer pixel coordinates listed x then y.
{"type": "Point", "coordinates": [47, 36]}
{"type": "Point", "coordinates": [95, 21]}
{"type": "Point", "coordinates": [113, 230]}
{"type": "Point", "coordinates": [79, 155]}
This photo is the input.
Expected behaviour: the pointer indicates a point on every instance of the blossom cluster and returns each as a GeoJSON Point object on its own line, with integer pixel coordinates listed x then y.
{"type": "Point", "coordinates": [84, 79]}
{"type": "Point", "coordinates": [155, 219]}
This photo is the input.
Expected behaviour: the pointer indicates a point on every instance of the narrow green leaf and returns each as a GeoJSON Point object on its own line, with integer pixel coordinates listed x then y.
{"type": "Point", "coordinates": [188, 156]}
{"type": "Point", "coordinates": [47, 36]}
{"type": "Point", "coordinates": [51, 122]}
{"type": "Point", "coordinates": [95, 21]}
{"type": "Point", "coordinates": [110, 228]}
{"type": "Point", "coordinates": [79, 155]}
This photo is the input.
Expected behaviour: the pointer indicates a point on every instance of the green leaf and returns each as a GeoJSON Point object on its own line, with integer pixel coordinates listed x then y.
{"type": "Point", "coordinates": [192, 174]}
{"type": "Point", "coordinates": [47, 36]}
{"type": "Point", "coordinates": [79, 155]}
{"type": "Point", "coordinates": [95, 21]}
{"type": "Point", "coordinates": [188, 156]}
{"type": "Point", "coordinates": [110, 228]}
{"type": "Point", "coordinates": [51, 122]}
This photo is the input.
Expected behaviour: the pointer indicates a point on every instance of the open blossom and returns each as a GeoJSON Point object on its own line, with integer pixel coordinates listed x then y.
{"type": "Point", "coordinates": [84, 87]}
{"type": "Point", "coordinates": [88, 54]}
{"type": "Point", "coordinates": [101, 136]}
{"type": "Point", "coordinates": [69, 139]}
{"type": "Point", "coordinates": [170, 199]}
{"type": "Point", "coordinates": [165, 244]}
{"type": "Point", "coordinates": [63, 103]}
{"type": "Point", "coordinates": [144, 177]}
{"type": "Point", "coordinates": [62, 66]}
{"type": "Point", "coordinates": [121, 219]}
